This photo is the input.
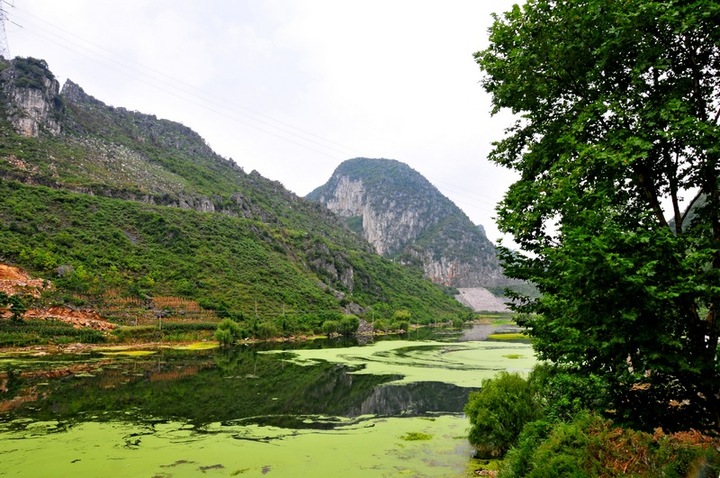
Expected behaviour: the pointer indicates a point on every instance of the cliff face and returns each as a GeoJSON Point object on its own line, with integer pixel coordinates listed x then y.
{"type": "Point", "coordinates": [32, 90]}
{"type": "Point", "coordinates": [386, 227]}
{"type": "Point", "coordinates": [406, 218]}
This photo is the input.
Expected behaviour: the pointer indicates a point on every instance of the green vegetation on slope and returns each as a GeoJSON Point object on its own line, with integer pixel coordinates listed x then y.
{"type": "Point", "coordinates": [235, 266]}
{"type": "Point", "coordinates": [121, 208]}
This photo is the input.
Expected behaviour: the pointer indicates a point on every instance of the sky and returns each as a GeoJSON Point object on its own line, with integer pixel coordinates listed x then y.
{"type": "Point", "coordinates": [291, 88]}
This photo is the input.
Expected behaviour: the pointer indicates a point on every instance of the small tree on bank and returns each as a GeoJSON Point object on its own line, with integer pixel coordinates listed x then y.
{"type": "Point", "coordinates": [499, 411]}
{"type": "Point", "coordinates": [617, 208]}
{"type": "Point", "coordinates": [330, 327]}
{"type": "Point", "coordinates": [228, 332]}
{"type": "Point", "coordinates": [348, 325]}
{"type": "Point", "coordinates": [15, 304]}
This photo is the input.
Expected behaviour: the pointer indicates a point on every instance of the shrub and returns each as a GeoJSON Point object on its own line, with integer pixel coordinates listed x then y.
{"type": "Point", "coordinates": [381, 325]}
{"type": "Point", "coordinates": [564, 394]}
{"type": "Point", "coordinates": [348, 324]}
{"type": "Point", "coordinates": [544, 452]}
{"type": "Point", "coordinates": [499, 411]}
{"type": "Point", "coordinates": [402, 315]}
{"type": "Point", "coordinates": [266, 330]}
{"type": "Point", "coordinates": [14, 304]}
{"type": "Point", "coordinates": [519, 459]}
{"type": "Point", "coordinates": [401, 326]}
{"type": "Point", "coordinates": [330, 327]}
{"type": "Point", "coordinates": [590, 445]}
{"type": "Point", "coordinates": [227, 332]}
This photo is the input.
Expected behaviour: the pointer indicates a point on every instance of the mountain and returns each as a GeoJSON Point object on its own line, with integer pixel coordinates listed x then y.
{"type": "Point", "coordinates": [118, 207]}
{"type": "Point", "coordinates": [407, 219]}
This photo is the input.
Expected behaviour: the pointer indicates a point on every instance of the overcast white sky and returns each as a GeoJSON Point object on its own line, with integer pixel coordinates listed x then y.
{"type": "Point", "coordinates": [291, 88]}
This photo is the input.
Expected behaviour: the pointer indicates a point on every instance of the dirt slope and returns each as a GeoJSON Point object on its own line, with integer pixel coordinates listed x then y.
{"type": "Point", "coordinates": [14, 281]}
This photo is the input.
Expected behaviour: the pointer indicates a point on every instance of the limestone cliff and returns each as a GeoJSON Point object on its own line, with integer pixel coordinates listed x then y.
{"type": "Point", "coordinates": [406, 218]}
{"type": "Point", "coordinates": [32, 91]}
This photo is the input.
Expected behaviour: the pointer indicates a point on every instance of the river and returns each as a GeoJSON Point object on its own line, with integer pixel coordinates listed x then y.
{"type": "Point", "coordinates": [321, 409]}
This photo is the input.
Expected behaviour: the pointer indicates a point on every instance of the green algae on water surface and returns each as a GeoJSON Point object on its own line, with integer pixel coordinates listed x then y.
{"type": "Point", "coordinates": [246, 412]}
{"type": "Point", "coordinates": [131, 353]}
{"type": "Point", "coordinates": [463, 364]}
{"type": "Point", "coordinates": [126, 450]}
{"type": "Point", "coordinates": [415, 436]}
{"type": "Point", "coordinates": [197, 346]}
{"type": "Point", "coordinates": [509, 337]}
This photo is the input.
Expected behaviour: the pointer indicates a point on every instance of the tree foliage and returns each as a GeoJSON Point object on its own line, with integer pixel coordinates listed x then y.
{"type": "Point", "coordinates": [617, 209]}
{"type": "Point", "coordinates": [590, 445]}
{"type": "Point", "coordinates": [499, 411]}
{"type": "Point", "coordinates": [14, 304]}
{"type": "Point", "coordinates": [348, 324]}
{"type": "Point", "coordinates": [228, 332]}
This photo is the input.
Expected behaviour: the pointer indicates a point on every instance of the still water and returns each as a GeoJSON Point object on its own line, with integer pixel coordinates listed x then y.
{"type": "Point", "coordinates": [318, 409]}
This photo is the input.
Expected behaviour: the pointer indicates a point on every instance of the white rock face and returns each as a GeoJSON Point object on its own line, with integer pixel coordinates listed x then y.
{"type": "Point", "coordinates": [389, 228]}
{"type": "Point", "coordinates": [386, 231]}
{"type": "Point", "coordinates": [32, 96]}
{"type": "Point", "coordinates": [348, 199]}
{"type": "Point", "coordinates": [406, 218]}
{"type": "Point", "coordinates": [443, 270]}
{"type": "Point", "coordinates": [34, 110]}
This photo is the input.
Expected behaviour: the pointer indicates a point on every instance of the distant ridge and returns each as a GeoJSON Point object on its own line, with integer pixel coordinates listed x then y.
{"type": "Point", "coordinates": [407, 219]}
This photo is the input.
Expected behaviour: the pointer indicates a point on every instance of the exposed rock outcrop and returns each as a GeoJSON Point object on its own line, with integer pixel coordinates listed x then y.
{"type": "Point", "coordinates": [406, 218]}
{"type": "Point", "coordinates": [32, 90]}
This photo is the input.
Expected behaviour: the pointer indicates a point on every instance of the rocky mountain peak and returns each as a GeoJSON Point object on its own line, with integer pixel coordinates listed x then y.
{"type": "Point", "coordinates": [32, 90]}
{"type": "Point", "coordinates": [406, 218]}
{"type": "Point", "coordinates": [74, 93]}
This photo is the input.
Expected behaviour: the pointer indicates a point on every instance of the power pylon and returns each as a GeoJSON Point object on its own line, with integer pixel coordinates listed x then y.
{"type": "Point", "coordinates": [4, 49]}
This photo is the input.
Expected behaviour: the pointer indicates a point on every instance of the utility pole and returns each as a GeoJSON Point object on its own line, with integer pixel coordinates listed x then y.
{"type": "Point", "coordinates": [4, 49]}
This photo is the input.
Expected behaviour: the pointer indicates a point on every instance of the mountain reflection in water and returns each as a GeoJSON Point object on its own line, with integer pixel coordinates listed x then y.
{"type": "Point", "coordinates": [238, 385]}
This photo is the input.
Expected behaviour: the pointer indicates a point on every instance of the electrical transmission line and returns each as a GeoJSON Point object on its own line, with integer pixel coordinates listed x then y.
{"type": "Point", "coordinates": [4, 49]}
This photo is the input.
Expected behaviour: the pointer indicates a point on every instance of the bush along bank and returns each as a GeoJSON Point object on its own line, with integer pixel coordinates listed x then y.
{"type": "Point", "coordinates": [547, 425]}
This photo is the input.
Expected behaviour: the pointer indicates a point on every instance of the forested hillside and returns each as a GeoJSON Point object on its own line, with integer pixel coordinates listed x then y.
{"type": "Point", "coordinates": [118, 207]}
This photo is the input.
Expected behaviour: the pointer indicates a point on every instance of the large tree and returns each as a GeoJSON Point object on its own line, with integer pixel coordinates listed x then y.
{"type": "Point", "coordinates": [617, 209]}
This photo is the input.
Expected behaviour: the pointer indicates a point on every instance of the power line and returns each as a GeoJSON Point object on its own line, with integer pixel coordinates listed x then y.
{"type": "Point", "coordinates": [238, 113]}
{"type": "Point", "coordinates": [182, 90]}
